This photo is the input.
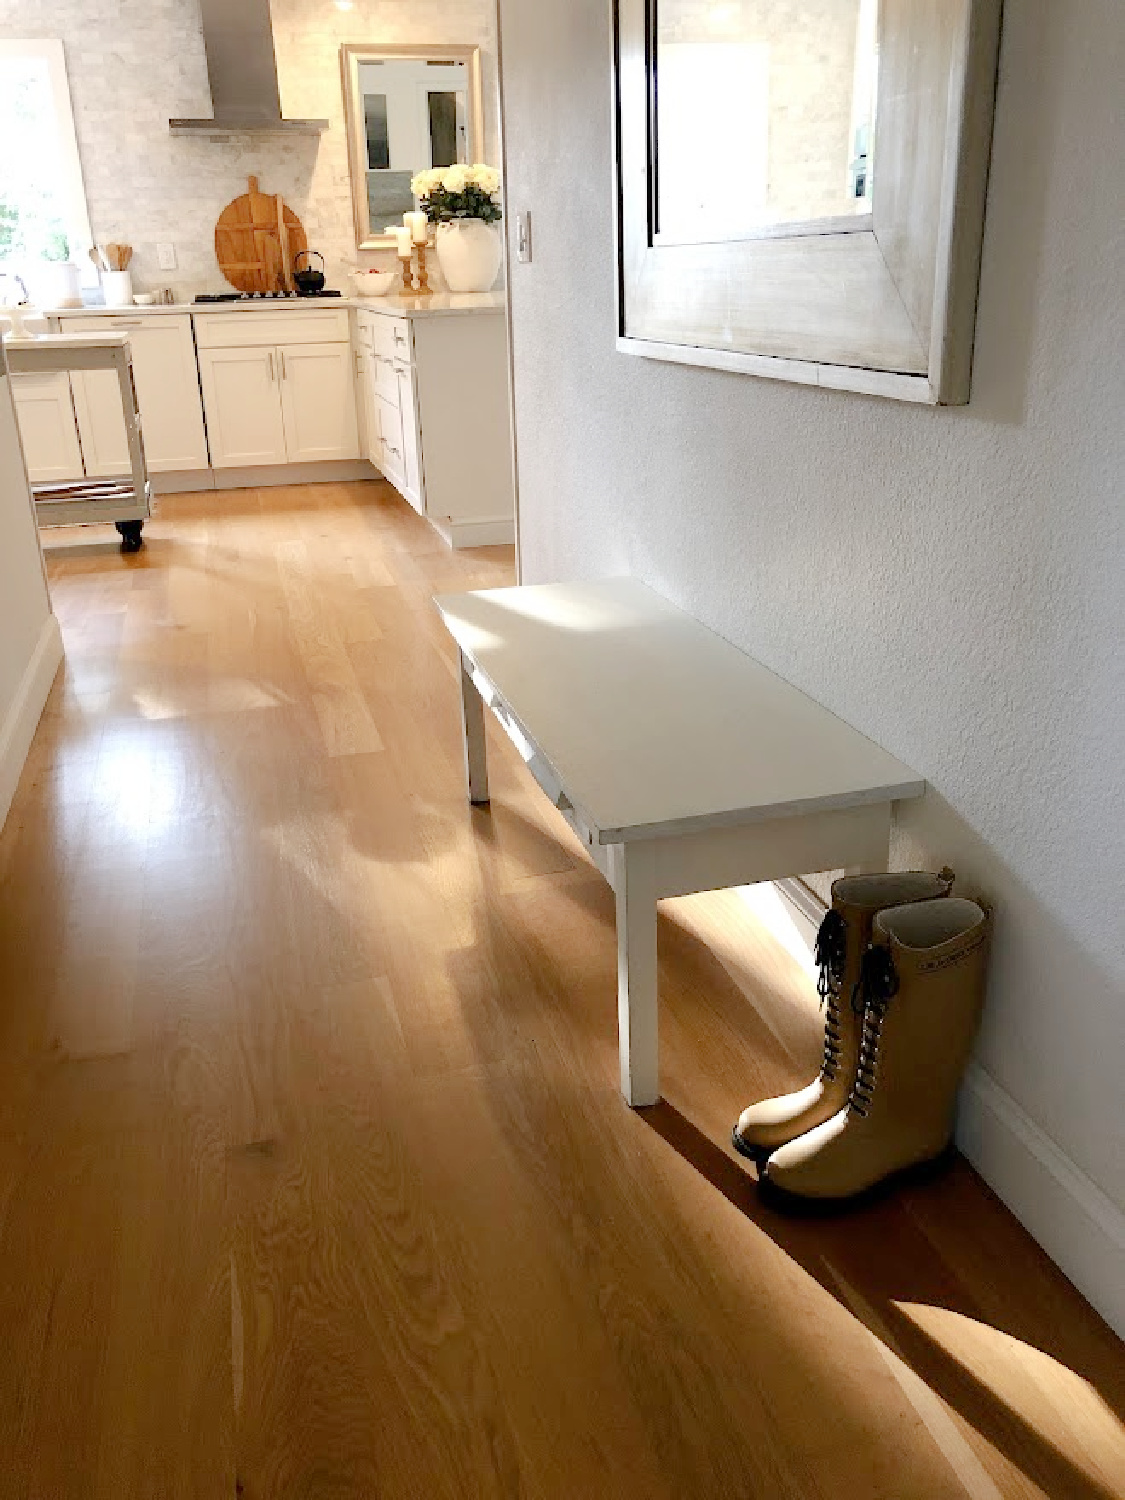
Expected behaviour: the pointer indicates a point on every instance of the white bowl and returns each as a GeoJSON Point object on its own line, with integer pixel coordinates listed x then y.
{"type": "Point", "coordinates": [374, 283]}
{"type": "Point", "coordinates": [144, 299]}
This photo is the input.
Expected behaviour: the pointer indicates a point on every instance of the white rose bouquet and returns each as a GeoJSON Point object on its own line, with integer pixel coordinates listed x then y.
{"type": "Point", "coordinates": [459, 192]}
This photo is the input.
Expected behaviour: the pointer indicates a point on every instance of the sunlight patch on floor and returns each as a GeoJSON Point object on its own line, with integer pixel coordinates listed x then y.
{"type": "Point", "coordinates": [776, 916]}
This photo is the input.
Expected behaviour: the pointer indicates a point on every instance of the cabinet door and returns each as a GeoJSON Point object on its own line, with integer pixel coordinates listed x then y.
{"type": "Point", "coordinates": [167, 382]}
{"type": "Point", "coordinates": [243, 405]}
{"type": "Point", "coordinates": [411, 447]}
{"type": "Point", "coordinates": [373, 431]}
{"type": "Point", "coordinates": [48, 428]}
{"type": "Point", "coordinates": [101, 422]}
{"type": "Point", "coordinates": [318, 401]}
{"type": "Point", "coordinates": [390, 431]}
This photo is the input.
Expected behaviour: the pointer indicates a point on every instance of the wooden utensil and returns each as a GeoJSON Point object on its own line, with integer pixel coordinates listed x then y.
{"type": "Point", "coordinates": [119, 256]}
{"type": "Point", "coordinates": [257, 238]}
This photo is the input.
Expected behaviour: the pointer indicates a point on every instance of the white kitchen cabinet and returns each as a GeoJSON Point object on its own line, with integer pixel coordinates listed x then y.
{"type": "Point", "coordinates": [437, 391]}
{"type": "Point", "coordinates": [243, 405]}
{"type": "Point", "coordinates": [318, 402]}
{"type": "Point", "coordinates": [47, 427]}
{"type": "Point", "coordinates": [167, 381]}
{"type": "Point", "coordinates": [284, 404]}
{"type": "Point", "coordinates": [373, 449]}
{"type": "Point", "coordinates": [411, 443]}
{"type": "Point", "coordinates": [389, 418]}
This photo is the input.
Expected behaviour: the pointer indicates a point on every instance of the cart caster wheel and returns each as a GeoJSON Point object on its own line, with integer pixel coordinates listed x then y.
{"type": "Point", "coordinates": [131, 539]}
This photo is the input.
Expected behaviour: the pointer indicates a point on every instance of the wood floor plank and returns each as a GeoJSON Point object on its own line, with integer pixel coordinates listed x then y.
{"type": "Point", "coordinates": [315, 1179]}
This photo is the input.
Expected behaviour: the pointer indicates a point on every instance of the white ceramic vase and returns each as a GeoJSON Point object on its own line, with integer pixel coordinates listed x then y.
{"type": "Point", "coordinates": [469, 253]}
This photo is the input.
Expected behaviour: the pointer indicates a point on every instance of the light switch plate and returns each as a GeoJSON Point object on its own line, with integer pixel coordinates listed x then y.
{"type": "Point", "coordinates": [166, 257]}
{"type": "Point", "coordinates": [523, 238]}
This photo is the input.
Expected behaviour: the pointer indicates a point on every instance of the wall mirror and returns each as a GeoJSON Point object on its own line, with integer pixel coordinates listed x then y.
{"type": "Point", "coordinates": [408, 109]}
{"type": "Point", "coordinates": [801, 187]}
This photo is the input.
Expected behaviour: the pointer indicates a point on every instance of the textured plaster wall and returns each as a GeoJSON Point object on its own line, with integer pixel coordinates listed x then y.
{"type": "Point", "coordinates": [134, 63]}
{"type": "Point", "coordinates": [951, 582]}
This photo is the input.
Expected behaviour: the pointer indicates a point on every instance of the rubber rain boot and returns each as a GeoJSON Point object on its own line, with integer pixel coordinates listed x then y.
{"type": "Point", "coordinates": [921, 993]}
{"type": "Point", "coordinates": [841, 943]}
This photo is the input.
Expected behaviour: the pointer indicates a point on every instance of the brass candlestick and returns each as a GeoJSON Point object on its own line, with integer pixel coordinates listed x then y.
{"type": "Point", "coordinates": [424, 287]}
{"type": "Point", "coordinates": [408, 273]}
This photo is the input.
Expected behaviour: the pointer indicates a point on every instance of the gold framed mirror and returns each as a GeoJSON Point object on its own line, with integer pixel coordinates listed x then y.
{"type": "Point", "coordinates": [801, 188]}
{"type": "Point", "coordinates": [407, 109]}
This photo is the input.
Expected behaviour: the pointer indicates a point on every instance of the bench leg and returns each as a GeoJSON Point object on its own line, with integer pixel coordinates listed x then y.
{"type": "Point", "coordinates": [634, 883]}
{"type": "Point", "coordinates": [472, 729]}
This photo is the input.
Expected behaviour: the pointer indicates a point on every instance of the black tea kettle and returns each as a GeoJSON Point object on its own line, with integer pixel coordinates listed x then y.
{"type": "Point", "coordinates": [310, 280]}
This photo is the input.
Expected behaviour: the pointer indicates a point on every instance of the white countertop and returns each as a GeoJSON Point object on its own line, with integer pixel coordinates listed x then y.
{"type": "Point", "coordinates": [394, 305]}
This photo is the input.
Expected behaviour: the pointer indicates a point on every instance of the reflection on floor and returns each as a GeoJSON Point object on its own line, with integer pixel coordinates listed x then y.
{"type": "Point", "coordinates": [314, 1176]}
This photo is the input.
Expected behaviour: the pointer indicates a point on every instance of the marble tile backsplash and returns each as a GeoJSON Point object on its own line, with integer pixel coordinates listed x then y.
{"type": "Point", "coordinates": [134, 63]}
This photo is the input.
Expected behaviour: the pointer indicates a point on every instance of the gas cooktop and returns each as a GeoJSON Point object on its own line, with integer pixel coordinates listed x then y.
{"type": "Point", "coordinates": [264, 296]}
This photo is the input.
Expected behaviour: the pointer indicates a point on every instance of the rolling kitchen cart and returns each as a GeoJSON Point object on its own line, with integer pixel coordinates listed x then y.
{"type": "Point", "coordinates": [127, 501]}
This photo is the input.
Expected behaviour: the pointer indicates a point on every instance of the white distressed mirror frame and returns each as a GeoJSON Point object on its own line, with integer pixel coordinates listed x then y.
{"type": "Point", "coordinates": [354, 53]}
{"type": "Point", "coordinates": [887, 307]}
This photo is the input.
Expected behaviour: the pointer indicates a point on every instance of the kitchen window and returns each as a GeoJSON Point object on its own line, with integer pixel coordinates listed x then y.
{"type": "Point", "coordinates": [43, 215]}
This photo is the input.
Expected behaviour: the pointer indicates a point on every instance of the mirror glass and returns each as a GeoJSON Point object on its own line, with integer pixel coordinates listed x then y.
{"type": "Point", "coordinates": [764, 115]}
{"type": "Point", "coordinates": [409, 109]}
{"type": "Point", "coordinates": [416, 115]}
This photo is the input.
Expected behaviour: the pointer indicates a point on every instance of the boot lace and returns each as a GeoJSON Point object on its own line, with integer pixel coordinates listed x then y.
{"type": "Point", "coordinates": [831, 953]}
{"type": "Point", "coordinates": [874, 991]}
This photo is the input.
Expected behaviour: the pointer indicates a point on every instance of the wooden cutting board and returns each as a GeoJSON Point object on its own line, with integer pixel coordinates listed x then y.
{"type": "Point", "coordinates": [256, 239]}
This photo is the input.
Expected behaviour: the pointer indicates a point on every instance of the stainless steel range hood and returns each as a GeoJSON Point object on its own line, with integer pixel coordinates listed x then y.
{"type": "Point", "coordinates": [242, 66]}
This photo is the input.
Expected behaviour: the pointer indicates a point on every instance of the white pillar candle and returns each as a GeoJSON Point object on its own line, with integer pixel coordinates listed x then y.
{"type": "Point", "coordinates": [419, 226]}
{"type": "Point", "coordinates": [402, 238]}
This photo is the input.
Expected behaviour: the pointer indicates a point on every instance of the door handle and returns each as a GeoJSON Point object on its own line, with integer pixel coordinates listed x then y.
{"type": "Point", "coordinates": [281, 356]}
{"type": "Point", "coordinates": [273, 373]}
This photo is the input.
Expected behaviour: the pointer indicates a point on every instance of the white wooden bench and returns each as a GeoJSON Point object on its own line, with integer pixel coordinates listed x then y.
{"type": "Point", "coordinates": [681, 763]}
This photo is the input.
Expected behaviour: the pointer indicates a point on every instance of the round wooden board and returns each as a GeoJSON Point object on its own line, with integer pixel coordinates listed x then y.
{"type": "Point", "coordinates": [257, 238]}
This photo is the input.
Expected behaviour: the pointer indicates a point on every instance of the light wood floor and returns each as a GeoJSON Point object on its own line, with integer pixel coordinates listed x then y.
{"type": "Point", "coordinates": [314, 1176]}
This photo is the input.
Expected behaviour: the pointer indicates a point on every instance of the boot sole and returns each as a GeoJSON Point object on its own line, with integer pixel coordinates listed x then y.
{"type": "Point", "coordinates": [796, 1205]}
{"type": "Point", "coordinates": [759, 1155]}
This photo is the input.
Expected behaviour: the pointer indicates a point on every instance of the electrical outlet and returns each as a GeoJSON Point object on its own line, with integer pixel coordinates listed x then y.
{"type": "Point", "coordinates": [166, 257]}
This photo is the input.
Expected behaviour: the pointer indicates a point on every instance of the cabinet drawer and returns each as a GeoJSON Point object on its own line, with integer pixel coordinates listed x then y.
{"type": "Point", "coordinates": [126, 322]}
{"type": "Point", "coordinates": [386, 380]}
{"type": "Point", "coordinates": [255, 330]}
{"type": "Point", "coordinates": [391, 338]}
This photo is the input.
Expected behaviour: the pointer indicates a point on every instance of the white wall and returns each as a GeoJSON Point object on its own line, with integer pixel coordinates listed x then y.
{"type": "Point", "coordinates": [951, 582]}
{"type": "Point", "coordinates": [135, 63]}
{"type": "Point", "coordinates": [30, 647]}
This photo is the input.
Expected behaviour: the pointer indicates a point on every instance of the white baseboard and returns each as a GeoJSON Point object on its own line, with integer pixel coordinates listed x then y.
{"type": "Point", "coordinates": [805, 907]}
{"type": "Point", "coordinates": [461, 534]}
{"type": "Point", "coordinates": [335, 471]}
{"type": "Point", "coordinates": [1080, 1228]}
{"type": "Point", "coordinates": [181, 481]}
{"type": "Point", "coordinates": [18, 728]}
